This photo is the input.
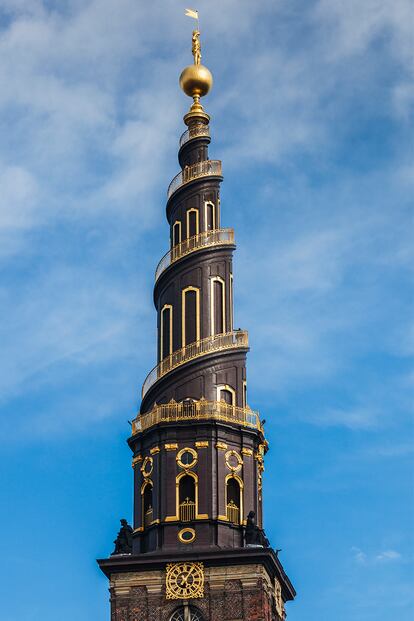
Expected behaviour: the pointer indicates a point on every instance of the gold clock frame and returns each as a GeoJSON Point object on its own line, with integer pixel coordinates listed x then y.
{"type": "Point", "coordinates": [177, 580]}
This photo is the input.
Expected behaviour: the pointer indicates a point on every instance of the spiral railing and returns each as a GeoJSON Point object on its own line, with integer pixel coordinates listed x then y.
{"type": "Point", "coordinates": [206, 168]}
{"type": "Point", "coordinates": [218, 342]}
{"type": "Point", "coordinates": [194, 132]}
{"type": "Point", "coordinates": [216, 237]}
{"type": "Point", "coordinates": [197, 410]}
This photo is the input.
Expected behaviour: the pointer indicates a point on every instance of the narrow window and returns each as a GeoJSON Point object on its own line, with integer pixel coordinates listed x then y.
{"type": "Point", "coordinates": [231, 302]}
{"type": "Point", "coordinates": [244, 394]}
{"type": "Point", "coordinates": [192, 222]}
{"type": "Point", "coordinates": [166, 332]}
{"type": "Point", "coordinates": [218, 306]}
{"type": "Point", "coordinates": [176, 233]}
{"type": "Point", "coordinates": [210, 216]}
{"type": "Point", "coordinates": [147, 504]}
{"type": "Point", "coordinates": [190, 315]}
{"type": "Point", "coordinates": [187, 498]}
{"type": "Point", "coordinates": [233, 495]}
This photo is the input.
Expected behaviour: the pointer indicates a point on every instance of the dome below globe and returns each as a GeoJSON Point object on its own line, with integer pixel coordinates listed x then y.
{"type": "Point", "coordinates": [196, 80]}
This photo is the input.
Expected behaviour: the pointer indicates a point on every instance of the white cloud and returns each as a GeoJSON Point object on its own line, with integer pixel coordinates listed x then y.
{"type": "Point", "coordinates": [359, 556]}
{"type": "Point", "coordinates": [388, 555]}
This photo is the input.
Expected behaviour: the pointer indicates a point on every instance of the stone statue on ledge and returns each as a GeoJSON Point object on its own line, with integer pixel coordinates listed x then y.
{"type": "Point", "coordinates": [254, 536]}
{"type": "Point", "coordinates": [123, 542]}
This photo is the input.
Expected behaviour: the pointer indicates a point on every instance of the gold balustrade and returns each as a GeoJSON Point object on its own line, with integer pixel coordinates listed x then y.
{"type": "Point", "coordinates": [194, 132]}
{"type": "Point", "coordinates": [206, 168]}
{"type": "Point", "coordinates": [187, 510]}
{"type": "Point", "coordinates": [233, 512]}
{"type": "Point", "coordinates": [218, 342]}
{"type": "Point", "coordinates": [197, 410]}
{"type": "Point", "coordinates": [206, 239]}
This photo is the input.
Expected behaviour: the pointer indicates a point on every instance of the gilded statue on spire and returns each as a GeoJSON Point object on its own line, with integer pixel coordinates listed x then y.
{"type": "Point", "coordinates": [196, 80]}
{"type": "Point", "coordinates": [196, 47]}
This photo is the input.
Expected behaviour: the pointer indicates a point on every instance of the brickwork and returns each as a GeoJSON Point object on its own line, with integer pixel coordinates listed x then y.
{"type": "Point", "coordinates": [235, 593]}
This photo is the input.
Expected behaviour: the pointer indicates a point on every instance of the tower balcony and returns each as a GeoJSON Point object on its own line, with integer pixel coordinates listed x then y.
{"type": "Point", "coordinates": [196, 131]}
{"type": "Point", "coordinates": [197, 410]}
{"type": "Point", "coordinates": [218, 342]}
{"type": "Point", "coordinates": [207, 168]}
{"type": "Point", "coordinates": [206, 239]}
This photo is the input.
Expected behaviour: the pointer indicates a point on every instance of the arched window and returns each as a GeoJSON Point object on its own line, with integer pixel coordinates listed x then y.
{"type": "Point", "coordinates": [190, 315]}
{"type": "Point", "coordinates": [187, 497]}
{"type": "Point", "coordinates": [218, 306]}
{"type": "Point", "coordinates": [147, 509]}
{"type": "Point", "coordinates": [176, 236]}
{"type": "Point", "coordinates": [227, 394]}
{"type": "Point", "coordinates": [187, 613]}
{"type": "Point", "coordinates": [166, 337]}
{"type": "Point", "coordinates": [192, 222]}
{"type": "Point", "coordinates": [210, 216]}
{"type": "Point", "coordinates": [234, 499]}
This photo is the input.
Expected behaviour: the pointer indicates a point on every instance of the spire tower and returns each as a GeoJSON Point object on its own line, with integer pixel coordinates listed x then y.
{"type": "Point", "coordinates": [197, 550]}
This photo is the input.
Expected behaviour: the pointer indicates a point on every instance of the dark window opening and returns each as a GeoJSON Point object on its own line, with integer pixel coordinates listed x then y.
{"type": "Point", "coordinates": [218, 307]}
{"type": "Point", "coordinates": [190, 317]}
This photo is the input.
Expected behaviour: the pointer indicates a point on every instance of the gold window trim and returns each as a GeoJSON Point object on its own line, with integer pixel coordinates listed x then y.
{"type": "Point", "coordinates": [180, 454]}
{"type": "Point", "coordinates": [238, 457]}
{"type": "Point", "coordinates": [187, 530]}
{"type": "Point", "coordinates": [212, 304]}
{"type": "Point", "coordinates": [183, 294]}
{"type": "Point", "coordinates": [164, 354]}
{"type": "Point", "coordinates": [175, 242]}
{"type": "Point", "coordinates": [241, 485]}
{"type": "Point", "coordinates": [221, 387]}
{"type": "Point", "coordinates": [206, 203]}
{"type": "Point", "coordinates": [197, 221]}
{"type": "Point", "coordinates": [147, 460]}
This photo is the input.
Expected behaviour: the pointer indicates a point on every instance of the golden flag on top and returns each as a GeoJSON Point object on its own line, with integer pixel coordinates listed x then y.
{"type": "Point", "coordinates": [191, 13]}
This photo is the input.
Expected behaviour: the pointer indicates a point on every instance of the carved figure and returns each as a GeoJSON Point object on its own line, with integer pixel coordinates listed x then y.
{"type": "Point", "coordinates": [253, 535]}
{"type": "Point", "coordinates": [196, 47]}
{"type": "Point", "coordinates": [123, 542]}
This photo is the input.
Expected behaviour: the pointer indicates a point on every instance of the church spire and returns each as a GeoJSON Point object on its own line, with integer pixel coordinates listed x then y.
{"type": "Point", "coordinates": [198, 448]}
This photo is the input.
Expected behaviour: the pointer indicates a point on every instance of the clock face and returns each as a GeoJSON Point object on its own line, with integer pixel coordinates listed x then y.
{"type": "Point", "coordinates": [184, 580]}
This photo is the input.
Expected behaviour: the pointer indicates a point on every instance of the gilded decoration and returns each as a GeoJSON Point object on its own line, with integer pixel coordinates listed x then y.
{"type": "Point", "coordinates": [147, 466]}
{"type": "Point", "coordinates": [233, 460]}
{"type": "Point", "coordinates": [184, 581]}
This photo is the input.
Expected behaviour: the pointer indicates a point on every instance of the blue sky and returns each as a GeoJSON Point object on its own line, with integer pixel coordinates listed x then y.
{"type": "Point", "coordinates": [312, 118]}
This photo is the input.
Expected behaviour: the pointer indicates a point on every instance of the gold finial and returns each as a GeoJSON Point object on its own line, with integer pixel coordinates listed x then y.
{"type": "Point", "coordinates": [196, 80]}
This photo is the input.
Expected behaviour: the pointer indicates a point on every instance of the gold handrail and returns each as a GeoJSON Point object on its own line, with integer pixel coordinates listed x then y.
{"type": "Point", "coordinates": [194, 171]}
{"type": "Point", "coordinates": [233, 512]}
{"type": "Point", "coordinates": [187, 510]}
{"type": "Point", "coordinates": [194, 132]}
{"type": "Point", "coordinates": [216, 237]}
{"type": "Point", "coordinates": [197, 410]}
{"type": "Point", "coordinates": [218, 342]}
